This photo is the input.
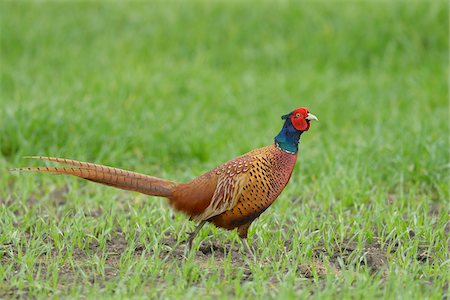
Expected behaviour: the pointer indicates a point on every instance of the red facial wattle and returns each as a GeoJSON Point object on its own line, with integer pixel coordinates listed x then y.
{"type": "Point", "coordinates": [300, 123]}
{"type": "Point", "coordinates": [298, 119]}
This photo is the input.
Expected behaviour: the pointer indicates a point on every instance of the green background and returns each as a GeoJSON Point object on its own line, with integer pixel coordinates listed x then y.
{"type": "Point", "coordinates": [173, 89]}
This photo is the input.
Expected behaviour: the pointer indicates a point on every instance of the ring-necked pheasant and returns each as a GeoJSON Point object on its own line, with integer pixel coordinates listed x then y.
{"type": "Point", "coordinates": [230, 196]}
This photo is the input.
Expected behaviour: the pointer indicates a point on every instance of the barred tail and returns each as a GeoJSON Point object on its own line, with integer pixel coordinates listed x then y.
{"type": "Point", "coordinates": [118, 178]}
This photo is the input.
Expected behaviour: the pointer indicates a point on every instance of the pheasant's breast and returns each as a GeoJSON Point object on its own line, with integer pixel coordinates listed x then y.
{"type": "Point", "coordinates": [270, 171]}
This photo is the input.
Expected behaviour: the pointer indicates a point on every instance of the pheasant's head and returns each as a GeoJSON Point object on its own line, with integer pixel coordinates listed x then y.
{"type": "Point", "coordinates": [296, 123]}
{"type": "Point", "coordinates": [300, 118]}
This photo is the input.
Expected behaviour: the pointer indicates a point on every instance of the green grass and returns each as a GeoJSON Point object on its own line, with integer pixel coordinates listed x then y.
{"type": "Point", "coordinates": [174, 89]}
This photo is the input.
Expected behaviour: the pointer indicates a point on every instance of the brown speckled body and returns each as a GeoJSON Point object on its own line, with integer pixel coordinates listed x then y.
{"type": "Point", "coordinates": [234, 194]}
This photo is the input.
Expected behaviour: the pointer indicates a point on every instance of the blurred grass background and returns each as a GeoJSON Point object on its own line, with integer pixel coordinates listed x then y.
{"type": "Point", "coordinates": [174, 89]}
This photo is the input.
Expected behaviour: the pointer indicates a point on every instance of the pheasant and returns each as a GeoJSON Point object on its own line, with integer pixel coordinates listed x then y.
{"type": "Point", "coordinates": [230, 196]}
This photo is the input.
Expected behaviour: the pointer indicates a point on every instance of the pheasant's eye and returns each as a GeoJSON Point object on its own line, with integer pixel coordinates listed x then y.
{"type": "Point", "coordinates": [297, 115]}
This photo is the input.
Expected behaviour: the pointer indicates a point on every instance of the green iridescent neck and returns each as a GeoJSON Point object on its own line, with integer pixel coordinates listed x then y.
{"type": "Point", "coordinates": [288, 138]}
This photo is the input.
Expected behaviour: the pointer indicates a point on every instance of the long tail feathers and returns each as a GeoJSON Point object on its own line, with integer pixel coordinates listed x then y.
{"type": "Point", "coordinates": [118, 178]}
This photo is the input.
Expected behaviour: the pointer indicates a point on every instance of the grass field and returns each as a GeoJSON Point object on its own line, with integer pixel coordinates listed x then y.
{"type": "Point", "coordinates": [175, 89]}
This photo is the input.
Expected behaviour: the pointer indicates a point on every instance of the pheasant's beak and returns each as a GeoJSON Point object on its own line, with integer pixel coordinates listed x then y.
{"type": "Point", "coordinates": [311, 117]}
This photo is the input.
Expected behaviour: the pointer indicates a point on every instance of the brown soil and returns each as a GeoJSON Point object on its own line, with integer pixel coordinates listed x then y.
{"type": "Point", "coordinates": [373, 256]}
{"type": "Point", "coordinates": [348, 254]}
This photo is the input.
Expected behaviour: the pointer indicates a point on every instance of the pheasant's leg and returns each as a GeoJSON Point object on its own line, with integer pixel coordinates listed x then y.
{"type": "Point", "coordinates": [247, 248]}
{"type": "Point", "coordinates": [194, 234]}
{"type": "Point", "coordinates": [243, 231]}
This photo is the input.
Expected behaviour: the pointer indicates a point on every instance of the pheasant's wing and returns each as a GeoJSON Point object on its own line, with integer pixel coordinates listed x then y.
{"type": "Point", "coordinates": [233, 176]}
{"type": "Point", "coordinates": [118, 178]}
